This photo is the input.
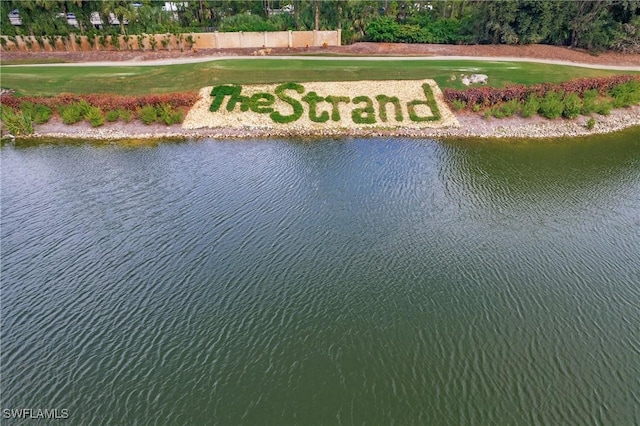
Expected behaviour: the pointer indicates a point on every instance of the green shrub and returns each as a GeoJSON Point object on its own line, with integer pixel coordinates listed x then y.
{"type": "Point", "coordinates": [383, 29]}
{"type": "Point", "coordinates": [446, 31]}
{"type": "Point", "coordinates": [125, 115]}
{"type": "Point", "coordinates": [496, 112]}
{"type": "Point", "coordinates": [112, 116]}
{"type": "Point", "coordinates": [589, 101]}
{"type": "Point", "coordinates": [487, 113]}
{"type": "Point", "coordinates": [84, 107]}
{"type": "Point", "coordinates": [590, 123]}
{"type": "Point", "coordinates": [115, 42]}
{"type": "Point", "coordinates": [163, 114]}
{"type": "Point", "coordinates": [626, 94]}
{"type": "Point", "coordinates": [16, 122]}
{"type": "Point", "coordinates": [413, 34]}
{"type": "Point", "coordinates": [572, 106]}
{"type": "Point", "coordinates": [40, 113]}
{"type": "Point", "coordinates": [140, 39]}
{"type": "Point", "coordinates": [167, 115]}
{"type": "Point", "coordinates": [71, 114]}
{"type": "Point", "coordinates": [95, 117]}
{"type": "Point", "coordinates": [102, 41]}
{"type": "Point", "coordinates": [530, 107]}
{"type": "Point", "coordinates": [509, 108]}
{"type": "Point", "coordinates": [190, 40]}
{"type": "Point", "coordinates": [604, 108]}
{"type": "Point", "coordinates": [166, 42]}
{"type": "Point", "coordinates": [148, 114]}
{"type": "Point", "coordinates": [416, 29]}
{"type": "Point", "coordinates": [91, 40]}
{"type": "Point", "coordinates": [551, 105]}
{"type": "Point", "coordinates": [458, 105]}
{"type": "Point", "coordinates": [177, 117]}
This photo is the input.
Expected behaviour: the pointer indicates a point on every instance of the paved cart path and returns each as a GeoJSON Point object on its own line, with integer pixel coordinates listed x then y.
{"type": "Point", "coordinates": [177, 61]}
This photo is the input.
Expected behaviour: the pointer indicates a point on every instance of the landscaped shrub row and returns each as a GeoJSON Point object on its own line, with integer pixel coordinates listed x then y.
{"type": "Point", "coordinates": [556, 104]}
{"type": "Point", "coordinates": [490, 96]}
{"type": "Point", "coordinates": [589, 96]}
{"type": "Point", "coordinates": [105, 101]}
{"type": "Point", "coordinates": [418, 29]}
{"type": "Point", "coordinates": [163, 113]}
{"type": "Point", "coordinates": [20, 113]}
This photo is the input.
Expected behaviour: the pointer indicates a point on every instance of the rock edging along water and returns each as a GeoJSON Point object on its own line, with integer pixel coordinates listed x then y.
{"type": "Point", "coordinates": [319, 106]}
{"type": "Point", "coordinates": [471, 126]}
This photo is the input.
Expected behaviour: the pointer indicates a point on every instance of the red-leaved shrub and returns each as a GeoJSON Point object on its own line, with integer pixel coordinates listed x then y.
{"type": "Point", "coordinates": [488, 96]}
{"type": "Point", "coordinates": [106, 102]}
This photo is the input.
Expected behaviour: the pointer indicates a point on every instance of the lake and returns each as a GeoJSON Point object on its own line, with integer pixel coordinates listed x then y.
{"type": "Point", "coordinates": [344, 281]}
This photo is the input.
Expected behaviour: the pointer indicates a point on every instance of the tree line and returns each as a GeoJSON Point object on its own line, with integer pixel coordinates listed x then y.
{"type": "Point", "coordinates": [591, 24]}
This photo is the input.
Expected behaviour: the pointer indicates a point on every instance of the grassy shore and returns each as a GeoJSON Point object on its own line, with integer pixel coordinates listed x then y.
{"type": "Point", "coordinates": [138, 80]}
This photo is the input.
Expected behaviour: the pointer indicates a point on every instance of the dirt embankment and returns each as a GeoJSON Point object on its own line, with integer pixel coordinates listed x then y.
{"type": "Point", "coordinates": [535, 51]}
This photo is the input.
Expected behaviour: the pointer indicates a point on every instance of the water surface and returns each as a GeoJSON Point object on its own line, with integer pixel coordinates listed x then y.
{"type": "Point", "coordinates": [342, 281]}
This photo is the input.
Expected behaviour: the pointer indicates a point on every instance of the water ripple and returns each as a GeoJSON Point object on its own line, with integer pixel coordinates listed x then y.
{"type": "Point", "coordinates": [345, 281]}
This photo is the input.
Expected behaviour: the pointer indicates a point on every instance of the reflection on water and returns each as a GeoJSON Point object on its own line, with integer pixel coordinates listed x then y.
{"type": "Point", "coordinates": [340, 281]}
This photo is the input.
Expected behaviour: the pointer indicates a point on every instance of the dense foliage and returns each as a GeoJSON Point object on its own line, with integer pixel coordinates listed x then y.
{"type": "Point", "coordinates": [20, 113]}
{"type": "Point", "coordinates": [104, 101]}
{"type": "Point", "coordinates": [594, 25]}
{"type": "Point", "coordinates": [568, 99]}
{"type": "Point", "coordinates": [591, 24]}
{"type": "Point", "coordinates": [486, 96]}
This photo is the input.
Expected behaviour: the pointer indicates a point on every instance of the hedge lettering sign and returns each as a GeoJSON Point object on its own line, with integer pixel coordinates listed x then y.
{"type": "Point", "coordinates": [317, 105]}
{"type": "Point", "coordinates": [320, 109]}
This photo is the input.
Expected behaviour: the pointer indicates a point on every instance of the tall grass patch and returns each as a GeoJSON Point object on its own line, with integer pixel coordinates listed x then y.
{"type": "Point", "coordinates": [18, 123]}
{"type": "Point", "coordinates": [40, 113]}
{"type": "Point", "coordinates": [572, 105]}
{"type": "Point", "coordinates": [625, 95]}
{"type": "Point", "coordinates": [530, 107]}
{"type": "Point", "coordinates": [552, 105]}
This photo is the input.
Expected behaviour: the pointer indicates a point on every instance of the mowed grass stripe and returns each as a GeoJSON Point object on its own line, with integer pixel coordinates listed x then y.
{"type": "Point", "coordinates": [136, 80]}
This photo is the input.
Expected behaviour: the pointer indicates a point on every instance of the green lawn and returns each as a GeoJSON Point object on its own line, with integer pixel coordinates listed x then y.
{"type": "Point", "coordinates": [51, 80]}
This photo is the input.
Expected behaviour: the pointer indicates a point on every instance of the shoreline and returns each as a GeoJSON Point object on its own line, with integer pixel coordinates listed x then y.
{"type": "Point", "coordinates": [472, 125]}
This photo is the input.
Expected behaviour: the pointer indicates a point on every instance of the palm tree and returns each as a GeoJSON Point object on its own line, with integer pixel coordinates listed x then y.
{"type": "Point", "coordinates": [122, 10]}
